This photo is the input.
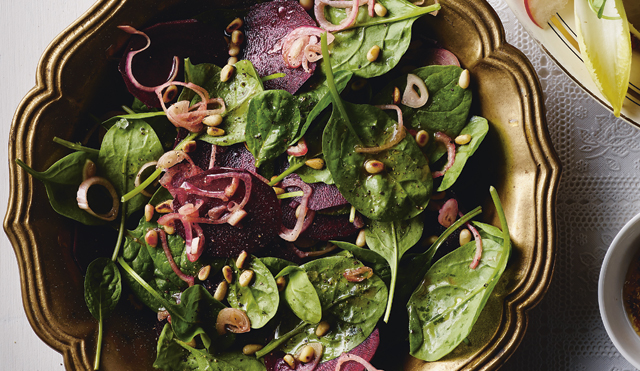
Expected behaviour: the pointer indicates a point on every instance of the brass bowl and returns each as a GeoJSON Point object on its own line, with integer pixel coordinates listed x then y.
{"type": "Point", "coordinates": [77, 77]}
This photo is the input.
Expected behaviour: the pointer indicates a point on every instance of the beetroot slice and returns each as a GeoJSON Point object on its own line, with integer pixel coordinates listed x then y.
{"type": "Point", "coordinates": [259, 227]}
{"type": "Point", "coordinates": [266, 25]}
{"type": "Point", "coordinates": [236, 156]}
{"type": "Point", "coordinates": [323, 228]}
{"type": "Point", "coordinates": [324, 195]}
{"type": "Point", "coordinates": [184, 39]}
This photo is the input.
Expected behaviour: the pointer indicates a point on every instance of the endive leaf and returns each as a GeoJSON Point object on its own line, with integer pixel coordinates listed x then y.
{"type": "Point", "coordinates": [605, 45]}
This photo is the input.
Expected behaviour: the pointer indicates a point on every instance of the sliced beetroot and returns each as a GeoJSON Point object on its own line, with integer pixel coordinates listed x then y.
{"type": "Point", "coordinates": [266, 25]}
{"type": "Point", "coordinates": [323, 228]}
{"type": "Point", "coordinates": [236, 156]}
{"type": "Point", "coordinates": [185, 39]}
{"type": "Point", "coordinates": [259, 228]}
{"type": "Point", "coordinates": [324, 195]}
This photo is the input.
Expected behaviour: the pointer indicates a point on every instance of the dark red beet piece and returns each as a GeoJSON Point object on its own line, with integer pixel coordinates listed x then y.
{"type": "Point", "coordinates": [324, 195]}
{"type": "Point", "coordinates": [258, 229]}
{"type": "Point", "coordinates": [236, 156]}
{"type": "Point", "coordinates": [185, 39]}
{"type": "Point", "coordinates": [323, 228]}
{"type": "Point", "coordinates": [265, 26]}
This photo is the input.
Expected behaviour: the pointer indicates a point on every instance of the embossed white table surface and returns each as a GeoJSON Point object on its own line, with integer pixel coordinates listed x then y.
{"type": "Point", "coordinates": [599, 192]}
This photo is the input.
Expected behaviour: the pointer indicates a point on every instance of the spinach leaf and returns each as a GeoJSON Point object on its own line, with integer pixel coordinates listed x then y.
{"type": "Point", "coordinates": [446, 305]}
{"type": "Point", "coordinates": [260, 299]}
{"type": "Point", "coordinates": [313, 138]}
{"type": "Point", "coordinates": [61, 181]}
{"type": "Point", "coordinates": [228, 361]}
{"type": "Point", "coordinates": [391, 33]}
{"type": "Point", "coordinates": [401, 191]}
{"type": "Point", "coordinates": [273, 121]}
{"type": "Point", "coordinates": [478, 128]}
{"type": "Point", "coordinates": [123, 151]}
{"type": "Point", "coordinates": [391, 240]}
{"type": "Point", "coordinates": [236, 93]}
{"type": "Point", "coordinates": [170, 356]}
{"type": "Point", "coordinates": [302, 297]}
{"type": "Point", "coordinates": [158, 120]}
{"type": "Point", "coordinates": [102, 289]}
{"type": "Point", "coordinates": [275, 265]}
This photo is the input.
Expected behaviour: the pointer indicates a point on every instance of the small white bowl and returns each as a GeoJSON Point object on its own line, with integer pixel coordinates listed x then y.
{"type": "Point", "coordinates": [612, 275]}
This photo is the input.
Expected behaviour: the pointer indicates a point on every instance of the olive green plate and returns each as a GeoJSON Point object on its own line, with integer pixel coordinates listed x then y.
{"type": "Point", "coordinates": [77, 77]}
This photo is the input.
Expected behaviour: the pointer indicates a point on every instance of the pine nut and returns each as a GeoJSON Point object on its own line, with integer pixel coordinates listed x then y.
{"type": "Point", "coordinates": [274, 178]}
{"type": "Point", "coordinates": [234, 51]}
{"type": "Point", "coordinates": [204, 272]}
{"type": "Point", "coordinates": [278, 190]}
{"type": "Point", "coordinates": [165, 207]}
{"type": "Point", "coordinates": [227, 72]}
{"type": "Point", "coordinates": [373, 53]}
{"type": "Point", "coordinates": [322, 329]}
{"type": "Point", "coordinates": [212, 120]}
{"type": "Point", "coordinates": [422, 138]}
{"type": "Point", "coordinates": [290, 360]}
{"type": "Point", "coordinates": [214, 131]}
{"type": "Point", "coordinates": [307, 4]}
{"type": "Point", "coordinates": [151, 238]}
{"type": "Point", "coordinates": [380, 10]}
{"type": "Point", "coordinates": [373, 166]}
{"type": "Point", "coordinates": [463, 139]}
{"type": "Point", "coordinates": [397, 98]}
{"type": "Point", "coordinates": [245, 278]}
{"type": "Point", "coordinates": [232, 60]}
{"type": "Point", "coordinates": [234, 25]}
{"type": "Point", "coordinates": [190, 146]}
{"type": "Point", "coordinates": [148, 212]}
{"type": "Point", "coordinates": [307, 353]}
{"type": "Point", "coordinates": [250, 349]}
{"type": "Point", "coordinates": [281, 282]}
{"type": "Point", "coordinates": [315, 163]}
{"type": "Point", "coordinates": [361, 240]}
{"type": "Point", "coordinates": [241, 259]}
{"type": "Point", "coordinates": [465, 79]}
{"type": "Point", "coordinates": [169, 229]}
{"type": "Point", "coordinates": [237, 37]}
{"type": "Point", "coordinates": [227, 273]}
{"type": "Point", "coordinates": [465, 236]}
{"type": "Point", "coordinates": [221, 291]}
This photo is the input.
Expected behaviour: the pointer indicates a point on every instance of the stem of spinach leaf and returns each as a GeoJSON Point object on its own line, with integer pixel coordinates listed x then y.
{"type": "Point", "coordinates": [290, 195]}
{"type": "Point", "coordinates": [75, 146]}
{"type": "Point", "coordinates": [335, 96]}
{"type": "Point", "coordinates": [128, 110]}
{"type": "Point", "coordinates": [156, 173]}
{"type": "Point", "coordinates": [386, 20]}
{"type": "Point", "coordinates": [502, 218]}
{"type": "Point", "coordinates": [142, 282]}
{"type": "Point", "coordinates": [289, 170]}
{"type": "Point", "coordinates": [273, 344]}
{"type": "Point", "coordinates": [272, 77]}
{"type": "Point", "coordinates": [123, 217]}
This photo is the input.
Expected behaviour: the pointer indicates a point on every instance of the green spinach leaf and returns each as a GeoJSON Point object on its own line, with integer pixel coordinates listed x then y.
{"type": "Point", "coordinates": [158, 120]}
{"type": "Point", "coordinates": [302, 297]}
{"type": "Point", "coordinates": [170, 356]}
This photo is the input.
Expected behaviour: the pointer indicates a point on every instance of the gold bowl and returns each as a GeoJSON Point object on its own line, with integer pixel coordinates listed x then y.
{"type": "Point", "coordinates": [77, 77]}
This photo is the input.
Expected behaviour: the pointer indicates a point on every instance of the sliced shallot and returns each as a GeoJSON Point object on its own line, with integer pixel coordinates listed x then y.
{"type": "Point", "coordinates": [398, 134]}
{"type": "Point", "coordinates": [83, 201]}
{"type": "Point", "coordinates": [301, 46]}
{"type": "Point", "coordinates": [358, 274]}
{"type": "Point", "coordinates": [451, 153]}
{"type": "Point", "coordinates": [318, 10]}
{"type": "Point", "coordinates": [234, 320]}
{"type": "Point", "coordinates": [448, 213]}
{"type": "Point", "coordinates": [478, 255]}
{"type": "Point", "coordinates": [165, 246]}
{"type": "Point", "coordinates": [137, 181]}
{"type": "Point", "coordinates": [410, 97]}
{"type": "Point", "coordinates": [305, 217]}
{"type": "Point", "coordinates": [346, 357]}
{"type": "Point", "coordinates": [190, 117]}
{"type": "Point", "coordinates": [300, 149]}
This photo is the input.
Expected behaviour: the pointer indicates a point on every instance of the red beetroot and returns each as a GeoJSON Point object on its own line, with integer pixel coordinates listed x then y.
{"type": "Point", "coordinates": [324, 195]}
{"type": "Point", "coordinates": [266, 25]}
{"type": "Point", "coordinates": [323, 228]}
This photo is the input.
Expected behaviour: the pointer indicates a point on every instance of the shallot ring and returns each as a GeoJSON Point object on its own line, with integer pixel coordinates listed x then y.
{"type": "Point", "coordinates": [451, 153]}
{"type": "Point", "coordinates": [83, 202]}
{"type": "Point", "coordinates": [398, 134]}
{"type": "Point", "coordinates": [138, 179]}
{"type": "Point", "coordinates": [318, 10]}
{"type": "Point", "coordinates": [234, 320]}
{"type": "Point", "coordinates": [410, 97]}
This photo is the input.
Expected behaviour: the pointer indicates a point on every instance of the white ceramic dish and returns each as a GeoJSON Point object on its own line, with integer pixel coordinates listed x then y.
{"type": "Point", "coordinates": [558, 39]}
{"type": "Point", "coordinates": [612, 276]}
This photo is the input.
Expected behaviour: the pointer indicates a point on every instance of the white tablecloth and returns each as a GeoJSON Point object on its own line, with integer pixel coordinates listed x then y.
{"type": "Point", "coordinates": [599, 192]}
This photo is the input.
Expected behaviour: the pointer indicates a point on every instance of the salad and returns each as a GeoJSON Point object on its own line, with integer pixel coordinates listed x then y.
{"type": "Point", "coordinates": [288, 200]}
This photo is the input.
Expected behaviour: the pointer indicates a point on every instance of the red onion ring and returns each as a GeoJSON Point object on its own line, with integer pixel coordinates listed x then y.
{"type": "Point", "coordinates": [448, 213]}
{"type": "Point", "coordinates": [478, 255]}
{"type": "Point", "coordinates": [318, 10]}
{"type": "Point", "coordinates": [138, 179]}
{"type": "Point", "coordinates": [398, 134]}
{"type": "Point", "coordinates": [300, 149]}
{"type": "Point", "coordinates": [302, 221]}
{"type": "Point", "coordinates": [165, 246]}
{"type": "Point", "coordinates": [358, 274]}
{"type": "Point", "coordinates": [346, 357]}
{"type": "Point", "coordinates": [234, 320]}
{"type": "Point", "coordinates": [187, 117]}
{"type": "Point", "coordinates": [410, 97]}
{"type": "Point", "coordinates": [295, 46]}
{"type": "Point", "coordinates": [83, 202]}
{"type": "Point", "coordinates": [451, 153]}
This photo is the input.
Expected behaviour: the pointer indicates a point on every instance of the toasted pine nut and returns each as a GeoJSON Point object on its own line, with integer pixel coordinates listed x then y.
{"type": "Point", "coordinates": [227, 72]}
{"type": "Point", "coordinates": [221, 291]}
{"type": "Point", "coordinates": [241, 259]}
{"type": "Point", "coordinates": [465, 236]}
{"type": "Point", "coordinates": [373, 53]}
{"type": "Point", "coordinates": [397, 98]}
{"type": "Point", "coordinates": [361, 240]}
{"type": "Point", "coordinates": [281, 282]}
{"type": "Point", "coordinates": [234, 25]}
{"type": "Point", "coordinates": [290, 360]}
{"type": "Point", "coordinates": [307, 353]}
{"type": "Point", "coordinates": [227, 273]}
{"type": "Point", "coordinates": [463, 139]}
{"type": "Point", "coordinates": [190, 146]}
{"type": "Point", "coordinates": [165, 207]}
{"type": "Point", "coordinates": [170, 94]}
{"type": "Point", "coordinates": [169, 229]}
{"type": "Point", "coordinates": [278, 190]}
{"type": "Point", "coordinates": [373, 166]}
{"type": "Point", "coordinates": [234, 51]}
{"type": "Point", "coordinates": [203, 274]}
{"type": "Point", "coordinates": [250, 349]}
{"type": "Point", "coordinates": [237, 37]}
{"type": "Point", "coordinates": [212, 120]}
{"type": "Point", "coordinates": [322, 329]}
{"type": "Point", "coordinates": [232, 60]}
{"type": "Point", "coordinates": [315, 163]}
{"type": "Point", "coordinates": [245, 278]}
{"type": "Point", "coordinates": [380, 10]}
{"type": "Point", "coordinates": [274, 178]}
{"type": "Point", "coordinates": [465, 79]}
{"type": "Point", "coordinates": [148, 212]}
{"type": "Point", "coordinates": [307, 4]}
{"type": "Point", "coordinates": [214, 131]}
{"type": "Point", "coordinates": [151, 238]}
{"type": "Point", "coordinates": [422, 138]}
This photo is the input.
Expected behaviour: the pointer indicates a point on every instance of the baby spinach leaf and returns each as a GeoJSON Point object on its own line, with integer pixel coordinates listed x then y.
{"type": "Point", "coordinates": [362, 254]}
{"type": "Point", "coordinates": [301, 296]}
{"type": "Point", "coordinates": [275, 265]}
{"type": "Point", "coordinates": [170, 356]}
{"type": "Point", "coordinates": [391, 240]}
{"type": "Point", "coordinates": [158, 120]}
{"type": "Point", "coordinates": [446, 305]}
{"type": "Point", "coordinates": [401, 191]}
{"type": "Point", "coordinates": [236, 93]}
{"type": "Point", "coordinates": [313, 139]}
{"type": "Point", "coordinates": [123, 152]}
{"type": "Point", "coordinates": [260, 299]}
{"type": "Point", "coordinates": [273, 121]}
{"type": "Point", "coordinates": [61, 181]}
{"type": "Point", "coordinates": [201, 359]}
{"type": "Point", "coordinates": [478, 128]}
{"type": "Point", "coordinates": [391, 33]}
